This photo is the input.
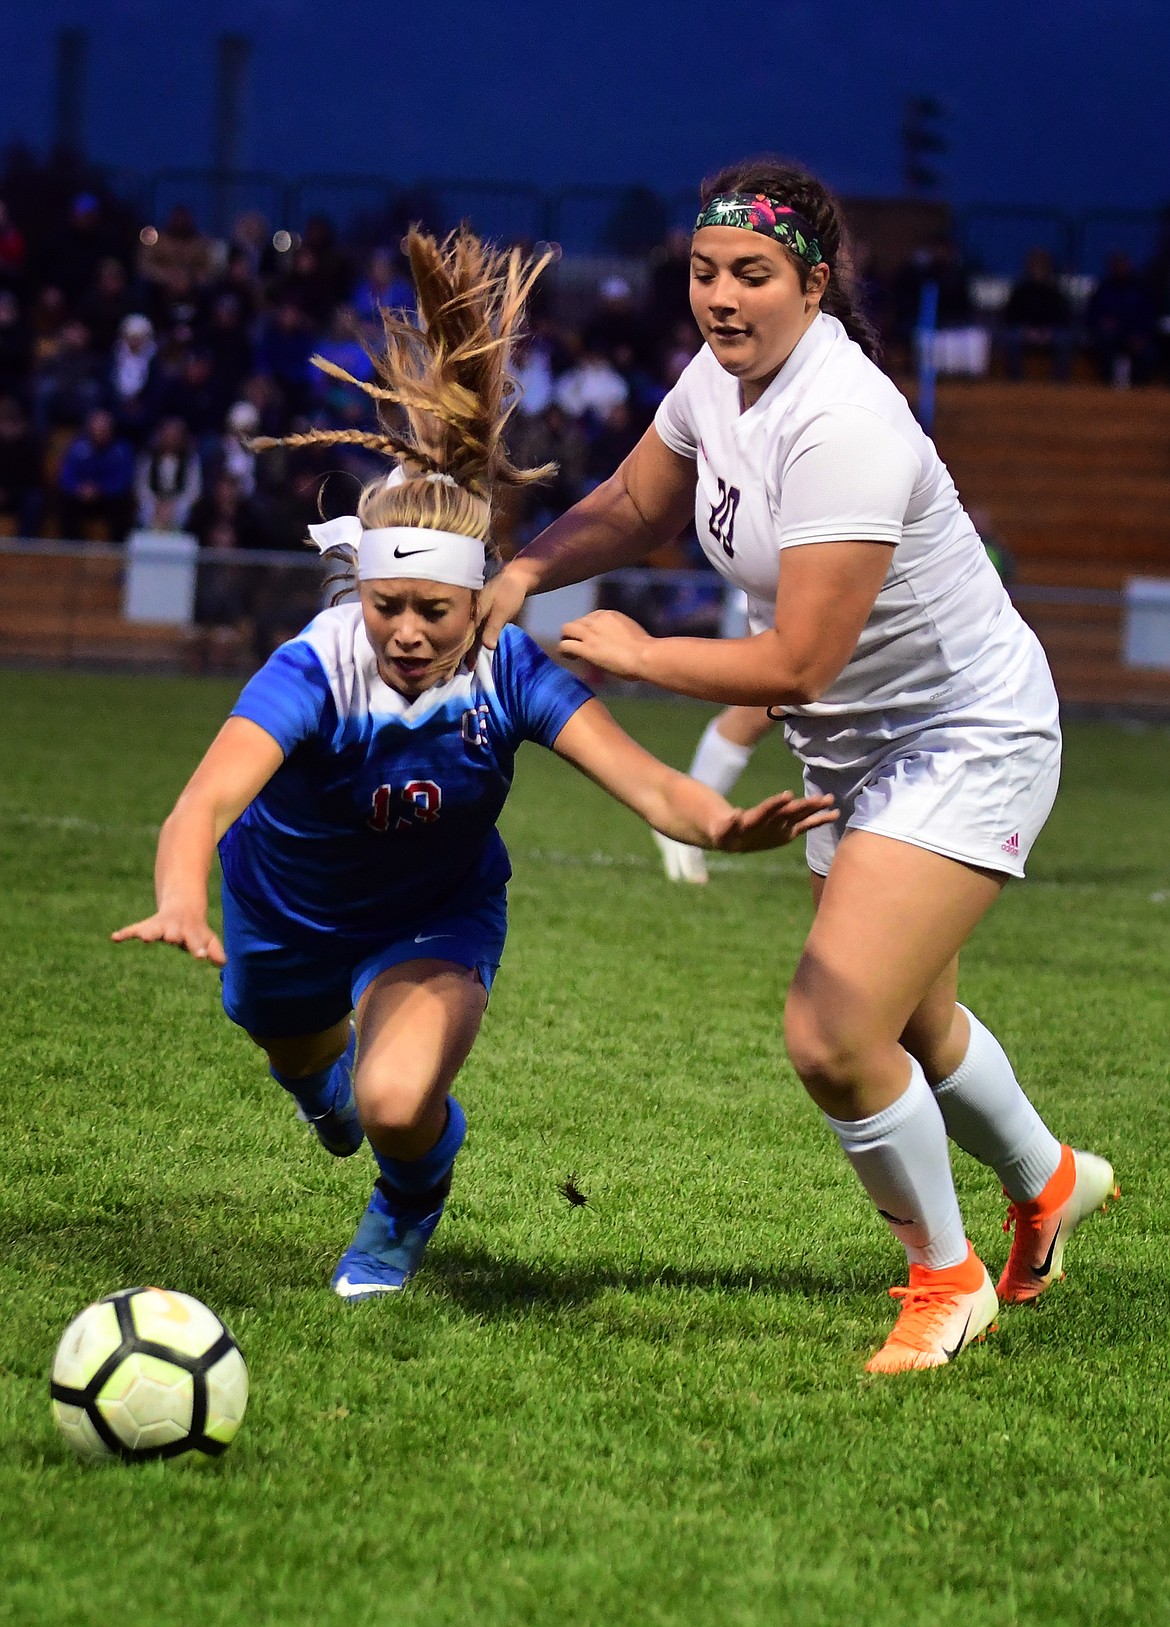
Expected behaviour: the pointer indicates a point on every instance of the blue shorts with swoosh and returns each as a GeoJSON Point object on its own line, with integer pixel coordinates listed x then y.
{"type": "Point", "coordinates": [277, 989]}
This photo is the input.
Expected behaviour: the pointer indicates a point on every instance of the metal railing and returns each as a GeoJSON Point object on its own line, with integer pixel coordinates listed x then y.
{"type": "Point", "coordinates": [69, 603]}
{"type": "Point", "coordinates": [591, 218]}
{"type": "Point", "coordinates": [996, 237]}
{"type": "Point", "coordinates": [73, 603]}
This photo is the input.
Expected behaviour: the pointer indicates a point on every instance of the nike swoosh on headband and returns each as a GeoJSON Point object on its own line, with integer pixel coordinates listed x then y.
{"type": "Point", "coordinates": [382, 550]}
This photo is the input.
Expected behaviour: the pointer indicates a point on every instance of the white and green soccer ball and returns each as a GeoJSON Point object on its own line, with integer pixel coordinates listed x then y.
{"type": "Point", "coordinates": [147, 1373]}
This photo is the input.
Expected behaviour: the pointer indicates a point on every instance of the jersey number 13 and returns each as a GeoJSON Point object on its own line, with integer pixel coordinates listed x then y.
{"type": "Point", "coordinates": [401, 807]}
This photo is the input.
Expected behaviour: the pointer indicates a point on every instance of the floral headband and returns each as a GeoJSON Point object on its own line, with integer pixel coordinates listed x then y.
{"type": "Point", "coordinates": [755, 212]}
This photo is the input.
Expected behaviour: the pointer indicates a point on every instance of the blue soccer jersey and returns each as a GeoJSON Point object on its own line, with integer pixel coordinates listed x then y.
{"type": "Point", "coordinates": [384, 810]}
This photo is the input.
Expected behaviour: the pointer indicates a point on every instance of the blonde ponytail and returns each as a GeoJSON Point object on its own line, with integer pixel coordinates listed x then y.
{"type": "Point", "coordinates": [444, 388]}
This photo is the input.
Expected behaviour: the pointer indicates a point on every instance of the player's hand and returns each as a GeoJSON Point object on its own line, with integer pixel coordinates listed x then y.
{"type": "Point", "coordinates": [774, 822]}
{"type": "Point", "coordinates": [501, 601]}
{"type": "Point", "coordinates": [187, 931]}
{"type": "Point", "coordinates": [606, 639]}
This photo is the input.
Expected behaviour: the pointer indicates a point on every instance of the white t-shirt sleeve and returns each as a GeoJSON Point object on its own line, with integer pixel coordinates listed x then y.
{"type": "Point", "coordinates": [848, 478]}
{"type": "Point", "coordinates": [674, 419]}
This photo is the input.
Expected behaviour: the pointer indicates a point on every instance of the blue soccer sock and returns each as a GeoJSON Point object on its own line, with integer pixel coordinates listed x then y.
{"type": "Point", "coordinates": [315, 1093]}
{"type": "Point", "coordinates": [416, 1176]}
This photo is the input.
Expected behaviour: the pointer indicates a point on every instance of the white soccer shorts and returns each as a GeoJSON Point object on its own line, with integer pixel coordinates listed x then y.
{"type": "Point", "coordinates": [975, 792]}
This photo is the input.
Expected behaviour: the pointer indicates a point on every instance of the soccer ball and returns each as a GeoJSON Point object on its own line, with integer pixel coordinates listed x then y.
{"type": "Point", "coordinates": [146, 1373]}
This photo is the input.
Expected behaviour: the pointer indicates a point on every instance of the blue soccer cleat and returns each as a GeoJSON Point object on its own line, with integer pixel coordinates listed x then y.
{"type": "Point", "coordinates": [389, 1245]}
{"type": "Point", "coordinates": [338, 1128]}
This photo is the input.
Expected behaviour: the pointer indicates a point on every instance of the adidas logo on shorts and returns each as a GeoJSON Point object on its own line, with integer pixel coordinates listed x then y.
{"type": "Point", "coordinates": [1012, 845]}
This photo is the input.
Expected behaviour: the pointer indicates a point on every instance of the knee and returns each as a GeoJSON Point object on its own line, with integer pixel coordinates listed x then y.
{"type": "Point", "coordinates": [390, 1106]}
{"type": "Point", "coordinates": [827, 1054]}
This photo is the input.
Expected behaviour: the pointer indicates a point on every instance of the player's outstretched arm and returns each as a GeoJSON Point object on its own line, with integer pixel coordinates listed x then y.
{"type": "Point", "coordinates": [647, 502]}
{"type": "Point", "coordinates": [827, 591]}
{"type": "Point", "coordinates": [672, 802]}
{"type": "Point", "coordinates": [240, 761]}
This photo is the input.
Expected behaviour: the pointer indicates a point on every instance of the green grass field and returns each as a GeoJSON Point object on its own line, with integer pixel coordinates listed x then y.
{"type": "Point", "coordinates": [647, 1410]}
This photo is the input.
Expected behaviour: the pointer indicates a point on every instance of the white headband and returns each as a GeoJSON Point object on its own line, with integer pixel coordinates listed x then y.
{"type": "Point", "coordinates": [404, 550]}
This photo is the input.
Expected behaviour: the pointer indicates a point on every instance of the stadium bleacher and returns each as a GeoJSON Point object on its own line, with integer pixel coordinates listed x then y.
{"type": "Point", "coordinates": [1076, 479]}
{"type": "Point", "coordinates": [1072, 479]}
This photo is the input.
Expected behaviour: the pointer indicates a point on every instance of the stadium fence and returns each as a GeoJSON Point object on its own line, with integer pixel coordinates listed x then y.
{"type": "Point", "coordinates": [161, 603]}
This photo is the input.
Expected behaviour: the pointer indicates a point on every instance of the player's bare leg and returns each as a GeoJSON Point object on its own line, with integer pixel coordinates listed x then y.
{"type": "Point", "coordinates": [417, 1023]}
{"type": "Point", "coordinates": [317, 1071]}
{"type": "Point", "coordinates": [981, 1103]}
{"type": "Point", "coordinates": [890, 920]}
{"type": "Point", "coordinates": [306, 1053]}
{"type": "Point", "coordinates": [724, 751]}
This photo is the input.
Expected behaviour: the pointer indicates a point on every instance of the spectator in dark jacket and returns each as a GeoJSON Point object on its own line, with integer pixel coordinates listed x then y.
{"type": "Point", "coordinates": [1121, 323]}
{"type": "Point", "coordinates": [194, 394]}
{"type": "Point", "coordinates": [96, 481]}
{"type": "Point", "coordinates": [86, 239]}
{"type": "Point", "coordinates": [224, 504]}
{"type": "Point", "coordinates": [941, 263]}
{"type": "Point", "coordinates": [309, 285]}
{"type": "Point", "coordinates": [286, 343]}
{"type": "Point", "coordinates": [48, 314]}
{"type": "Point", "coordinates": [250, 247]}
{"type": "Point", "coordinates": [1158, 283]}
{"type": "Point", "coordinates": [106, 304]}
{"type": "Point", "coordinates": [13, 251]}
{"type": "Point", "coordinates": [226, 590]}
{"type": "Point", "coordinates": [168, 480]}
{"type": "Point", "coordinates": [1038, 318]}
{"type": "Point", "coordinates": [244, 286]}
{"type": "Point", "coordinates": [228, 343]}
{"type": "Point", "coordinates": [615, 329]}
{"type": "Point", "coordinates": [176, 307]}
{"type": "Point", "coordinates": [613, 442]}
{"type": "Point", "coordinates": [548, 437]}
{"type": "Point", "coordinates": [342, 347]}
{"type": "Point", "coordinates": [21, 495]}
{"type": "Point", "coordinates": [670, 285]}
{"type": "Point", "coordinates": [386, 285]}
{"type": "Point", "coordinates": [67, 384]}
{"type": "Point", "coordinates": [15, 345]}
{"type": "Point", "coordinates": [334, 265]}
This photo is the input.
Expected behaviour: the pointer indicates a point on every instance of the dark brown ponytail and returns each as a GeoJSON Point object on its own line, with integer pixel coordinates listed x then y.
{"type": "Point", "coordinates": [803, 192]}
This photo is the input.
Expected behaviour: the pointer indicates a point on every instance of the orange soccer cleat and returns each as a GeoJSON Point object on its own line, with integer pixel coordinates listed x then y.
{"type": "Point", "coordinates": [1083, 1182]}
{"type": "Point", "coordinates": [942, 1312]}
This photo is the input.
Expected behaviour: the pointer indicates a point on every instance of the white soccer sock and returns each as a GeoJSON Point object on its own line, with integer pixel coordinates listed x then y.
{"type": "Point", "coordinates": [718, 762]}
{"type": "Point", "coordinates": [902, 1161]}
{"type": "Point", "coordinates": [987, 1114]}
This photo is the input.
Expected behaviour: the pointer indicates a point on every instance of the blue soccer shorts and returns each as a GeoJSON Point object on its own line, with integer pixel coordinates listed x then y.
{"type": "Point", "coordinates": [280, 989]}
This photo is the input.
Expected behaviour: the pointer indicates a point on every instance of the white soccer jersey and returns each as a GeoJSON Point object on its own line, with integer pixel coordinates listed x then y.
{"type": "Point", "coordinates": [832, 453]}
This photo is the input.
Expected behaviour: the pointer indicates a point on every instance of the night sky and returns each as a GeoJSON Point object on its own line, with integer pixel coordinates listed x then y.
{"type": "Point", "coordinates": [1056, 101]}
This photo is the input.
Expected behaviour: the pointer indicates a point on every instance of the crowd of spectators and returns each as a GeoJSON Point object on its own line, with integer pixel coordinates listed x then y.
{"type": "Point", "coordinates": [134, 367]}
{"type": "Point", "coordinates": [135, 361]}
{"type": "Point", "coordinates": [1115, 328]}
